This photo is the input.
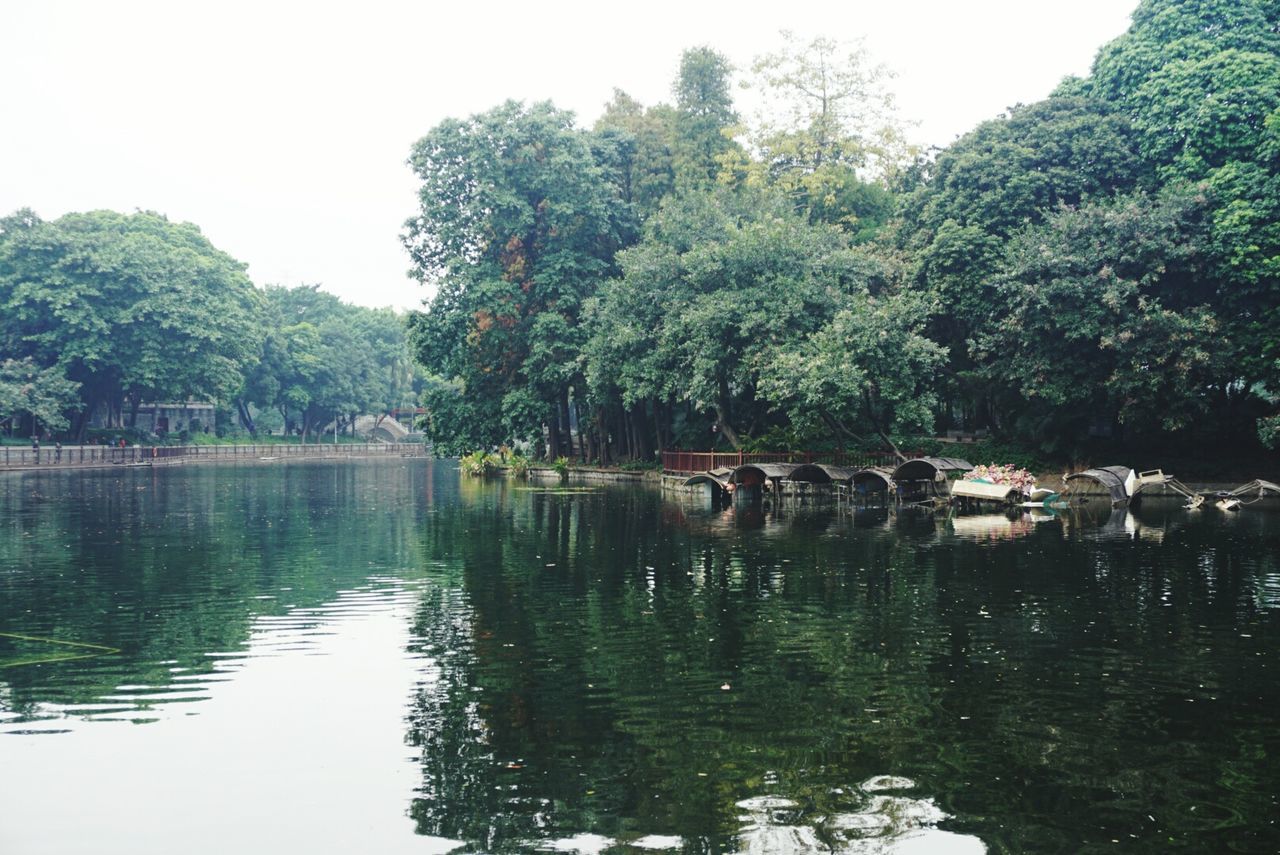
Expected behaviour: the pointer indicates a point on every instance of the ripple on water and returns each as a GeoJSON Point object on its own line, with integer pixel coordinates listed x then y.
{"type": "Point", "coordinates": [584, 844]}
{"type": "Point", "coordinates": [658, 841]}
{"type": "Point", "coordinates": [871, 824]}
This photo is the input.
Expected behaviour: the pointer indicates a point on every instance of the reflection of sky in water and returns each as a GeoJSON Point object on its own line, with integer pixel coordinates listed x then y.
{"type": "Point", "coordinates": [303, 631]}
{"type": "Point", "coordinates": [296, 745]}
{"type": "Point", "coordinates": [878, 817]}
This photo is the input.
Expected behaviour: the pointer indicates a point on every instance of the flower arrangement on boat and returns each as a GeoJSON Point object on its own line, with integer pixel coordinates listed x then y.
{"type": "Point", "coordinates": [1002, 474]}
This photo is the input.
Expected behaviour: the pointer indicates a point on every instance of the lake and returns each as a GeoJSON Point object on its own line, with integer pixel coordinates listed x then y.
{"type": "Point", "coordinates": [380, 656]}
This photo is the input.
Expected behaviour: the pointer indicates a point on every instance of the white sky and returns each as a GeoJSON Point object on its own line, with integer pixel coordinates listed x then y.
{"type": "Point", "coordinates": [282, 128]}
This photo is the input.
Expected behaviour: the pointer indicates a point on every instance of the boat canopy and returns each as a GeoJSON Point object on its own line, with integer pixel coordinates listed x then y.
{"type": "Point", "coordinates": [758, 473]}
{"type": "Point", "coordinates": [706, 478]}
{"type": "Point", "coordinates": [1259, 489]}
{"type": "Point", "coordinates": [928, 468]}
{"type": "Point", "coordinates": [821, 473]}
{"type": "Point", "coordinates": [875, 479]}
{"type": "Point", "coordinates": [1112, 480]}
{"type": "Point", "coordinates": [838, 473]}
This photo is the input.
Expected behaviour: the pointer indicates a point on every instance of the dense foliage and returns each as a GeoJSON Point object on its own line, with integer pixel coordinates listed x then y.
{"type": "Point", "coordinates": [324, 360]}
{"type": "Point", "coordinates": [1103, 263]}
{"type": "Point", "coordinates": [101, 312]}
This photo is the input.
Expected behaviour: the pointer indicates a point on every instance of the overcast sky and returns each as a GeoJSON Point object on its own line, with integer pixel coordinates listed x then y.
{"type": "Point", "coordinates": [282, 128]}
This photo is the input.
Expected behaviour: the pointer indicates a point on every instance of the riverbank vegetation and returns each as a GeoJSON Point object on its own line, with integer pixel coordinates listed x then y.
{"type": "Point", "coordinates": [1099, 266]}
{"type": "Point", "coordinates": [101, 312]}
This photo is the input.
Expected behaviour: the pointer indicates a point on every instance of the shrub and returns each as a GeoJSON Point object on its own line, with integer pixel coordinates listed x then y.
{"type": "Point", "coordinates": [561, 465]}
{"type": "Point", "coordinates": [478, 464]}
{"type": "Point", "coordinates": [518, 465]}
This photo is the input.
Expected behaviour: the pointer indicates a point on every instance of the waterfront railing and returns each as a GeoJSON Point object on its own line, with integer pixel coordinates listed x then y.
{"type": "Point", "coordinates": [689, 462]}
{"type": "Point", "coordinates": [15, 457]}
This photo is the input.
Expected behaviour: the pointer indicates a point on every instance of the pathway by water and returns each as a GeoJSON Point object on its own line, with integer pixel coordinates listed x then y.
{"type": "Point", "coordinates": [379, 656]}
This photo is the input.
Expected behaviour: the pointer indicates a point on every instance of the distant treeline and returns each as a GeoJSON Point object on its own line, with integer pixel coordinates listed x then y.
{"type": "Point", "coordinates": [101, 312]}
{"type": "Point", "coordinates": [1103, 262]}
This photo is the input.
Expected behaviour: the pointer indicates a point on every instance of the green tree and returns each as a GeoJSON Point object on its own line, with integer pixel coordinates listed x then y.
{"type": "Point", "coordinates": [705, 116]}
{"type": "Point", "coordinates": [1200, 82]}
{"type": "Point", "coordinates": [636, 146]}
{"type": "Point", "coordinates": [130, 307]}
{"type": "Point", "coordinates": [325, 361]}
{"type": "Point", "coordinates": [828, 120]}
{"type": "Point", "coordinates": [44, 395]}
{"type": "Point", "coordinates": [719, 280]}
{"type": "Point", "coordinates": [517, 226]}
{"type": "Point", "coordinates": [1167, 31]}
{"type": "Point", "coordinates": [1097, 316]}
{"type": "Point", "coordinates": [872, 367]}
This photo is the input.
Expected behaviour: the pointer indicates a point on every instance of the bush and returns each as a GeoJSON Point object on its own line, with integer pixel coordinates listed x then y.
{"type": "Point", "coordinates": [561, 465]}
{"type": "Point", "coordinates": [478, 464]}
{"type": "Point", "coordinates": [518, 465]}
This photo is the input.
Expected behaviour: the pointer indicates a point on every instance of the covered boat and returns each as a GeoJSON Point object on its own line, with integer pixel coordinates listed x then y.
{"type": "Point", "coordinates": [716, 477]}
{"type": "Point", "coordinates": [1115, 482]}
{"type": "Point", "coordinates": [926, 478]}
{"type": "Point", "coordinates": [873, 480]}
{"type": "Point", "coordinates": [758, 476]}
{"type": "Point", "coordinates": [821, 473]}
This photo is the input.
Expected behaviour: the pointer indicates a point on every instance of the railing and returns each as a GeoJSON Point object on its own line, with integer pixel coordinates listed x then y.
{"type": "Point", "coordinates": [16, 457]}
{"type": "Point", "coordinates": [704, 461]}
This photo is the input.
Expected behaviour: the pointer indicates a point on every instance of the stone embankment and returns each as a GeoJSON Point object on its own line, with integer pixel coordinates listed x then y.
{"type": "Point", "coordinates": [593, 475]}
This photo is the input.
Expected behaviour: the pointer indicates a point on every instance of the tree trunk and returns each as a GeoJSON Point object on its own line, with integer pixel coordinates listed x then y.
{"type": "Point", "coordinates": [624, 426]}
{"type": "Point", "coordinates": [880, 431]}
{"type": "Point", "coordinates": [553, 434]}
{"type": "Point", "coordinates": [135, 401]}
{"type": "Point", "coordinates": [722, 415]}
{"type": "Point", "coordinates": [246, 418]}
{"type": "Point", "coordinates": [657, 425]}
{"type": "Point", "coordinates": [623, 432]}
{"type": "Point", "coordinates": [81, 424]}
{"type": "Point", "coordinates": [566, 422]}
{"type": "Point", "coordinates": [602, 436]}
{"type": "Point", "coordinates": [640, 419]}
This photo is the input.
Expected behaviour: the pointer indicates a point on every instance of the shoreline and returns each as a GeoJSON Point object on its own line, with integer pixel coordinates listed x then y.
{"type": "Point", "coordinates": [86, 458]}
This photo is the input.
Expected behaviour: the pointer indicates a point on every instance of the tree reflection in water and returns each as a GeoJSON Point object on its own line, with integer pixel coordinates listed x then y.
{"type": "Point", "coordinates": [623, 670]}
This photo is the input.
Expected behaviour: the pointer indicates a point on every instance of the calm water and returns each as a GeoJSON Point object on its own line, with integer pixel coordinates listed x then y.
{"type": "Point", "coordinates": [380, 657]}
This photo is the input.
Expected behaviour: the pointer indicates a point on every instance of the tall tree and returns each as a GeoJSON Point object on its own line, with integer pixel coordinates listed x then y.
{"type": "Point", "coordinates": [828, 121]}
{"type": "Point", "coordinates": [870, 369]}
{"type": "Point", "coordinates": [705, 116]}
{"type": "Point", "coordinates": [1200, 82]}
{"type": "Point", "coordinates": [637, 144]}
{"type": "Point", "coordinates": [131, 307]}
{"type": "Point", "coordinates": [718, 280]}
{"type": "Point", "coordinates": [1097, 315]}
{"type": "Point", "coordinates": [517, 225]}
{"type": "Point", "coordinates": [326, 361]}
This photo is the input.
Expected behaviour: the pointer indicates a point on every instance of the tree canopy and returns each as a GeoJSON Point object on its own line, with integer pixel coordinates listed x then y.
{"type": "Point", "coordinates": [1102, 262]}
{"type": "Point", "coordinates": [103, 311]}
{"type": "Point", "coordinates": [130, 307]}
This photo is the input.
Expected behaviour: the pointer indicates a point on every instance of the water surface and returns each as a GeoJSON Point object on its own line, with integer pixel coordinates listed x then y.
{"type": "Point", "coordinates": [379, 656]}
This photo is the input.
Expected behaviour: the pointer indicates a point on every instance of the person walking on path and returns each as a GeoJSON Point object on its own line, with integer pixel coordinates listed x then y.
{"type": "Point", "coordinates": [57, 452]}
